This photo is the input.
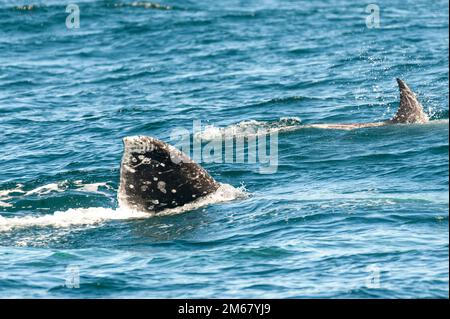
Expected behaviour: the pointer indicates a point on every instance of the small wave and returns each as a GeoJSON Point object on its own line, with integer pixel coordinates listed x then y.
{"type": "Point", "coordinates": [281, 101]}
{"type": "Point", "coordinates": [29, 7]}
{"type": "Point", "coordinates": [97, 215]}
{"type": "Point", "coordinates": [143, 4]}
{"type": "Point", "coordinates": [64, 185]}
{"type": "Point", "coordinates": [248, 128]}
{"type": "Point", "coordinates": [7, 194]}
{"type": "Point", "coordinates": [46, 189]}
{"type": "Point", "coordinates": [57, 187]}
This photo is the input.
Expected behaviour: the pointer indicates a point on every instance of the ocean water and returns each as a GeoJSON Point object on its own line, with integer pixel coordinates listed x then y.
{"type": "Point", "coordinates": [347, 214]}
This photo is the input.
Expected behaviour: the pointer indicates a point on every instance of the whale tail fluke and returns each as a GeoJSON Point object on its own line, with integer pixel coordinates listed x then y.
{"type": "Point", "coordinates": [410, 109]}
{"type": "Point", "coordinates": [155, 175]}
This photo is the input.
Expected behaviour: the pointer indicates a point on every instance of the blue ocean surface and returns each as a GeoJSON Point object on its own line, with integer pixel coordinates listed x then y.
{"type": "Point", "coordinates": [346, 214]}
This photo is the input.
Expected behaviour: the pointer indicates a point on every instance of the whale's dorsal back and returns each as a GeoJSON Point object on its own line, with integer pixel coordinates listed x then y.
{"type": "Point", "coordinates": [155, 175]}
{"type": "Point", "coordinates": [410, 110]}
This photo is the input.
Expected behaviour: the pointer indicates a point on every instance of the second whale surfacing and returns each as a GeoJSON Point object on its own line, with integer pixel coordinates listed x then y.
{"type": "Point", "coordinates": [155, 176]}
{"type": "Point", "coordinates": [409, 111]}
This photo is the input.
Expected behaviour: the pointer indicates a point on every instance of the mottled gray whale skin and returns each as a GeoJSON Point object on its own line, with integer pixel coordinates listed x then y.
{"type": "Point", "coordinates": [409, 111]}
{"type": "Point", "coordinates": [155, 176]}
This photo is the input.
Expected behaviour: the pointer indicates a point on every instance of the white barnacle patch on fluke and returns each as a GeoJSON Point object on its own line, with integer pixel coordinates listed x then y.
{"type": "Point", "coordinates": [162, 186]}
{"type": "Point", "coordinates": [129, 169]}
{"type": "Point", "coordinates": [144, 161]}
{"type": "Point", "coordinates": [176, 156]}
{"type": "Point", "coordinates": [138, 144]}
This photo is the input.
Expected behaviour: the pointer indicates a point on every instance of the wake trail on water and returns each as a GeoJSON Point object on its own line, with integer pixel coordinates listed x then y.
{"type": "Point", "coordinates": [252, 128]}
{"type": "Point", "coordinates": [249, 128]}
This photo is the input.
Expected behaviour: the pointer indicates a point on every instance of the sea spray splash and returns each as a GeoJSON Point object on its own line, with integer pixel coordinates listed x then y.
{"type": "Point", "coordinates": [98, 215]}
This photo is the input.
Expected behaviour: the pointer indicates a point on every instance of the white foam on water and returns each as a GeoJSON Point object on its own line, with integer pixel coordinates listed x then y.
{"type": "Point", "coordinates": [64, 185]}
{"type": "Point", "coordinates": [248, 128]}
{"type": "Point", "coordinates": [98, 215]}
{"type": "Point", "coordinates": [6, 192]}
{"type": "Point", "coordinates": [73, 216]}
{"type": "Point", "coordinates": [94, 187]}
{"type": "Point", "coordinates": [6, 195]}
{"type": "Point", "coordinates": [45, 189]}
{"type": "Point", "coordinates": [17, 192]}
{"type": "Point", "coordinates": [5, 204]}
